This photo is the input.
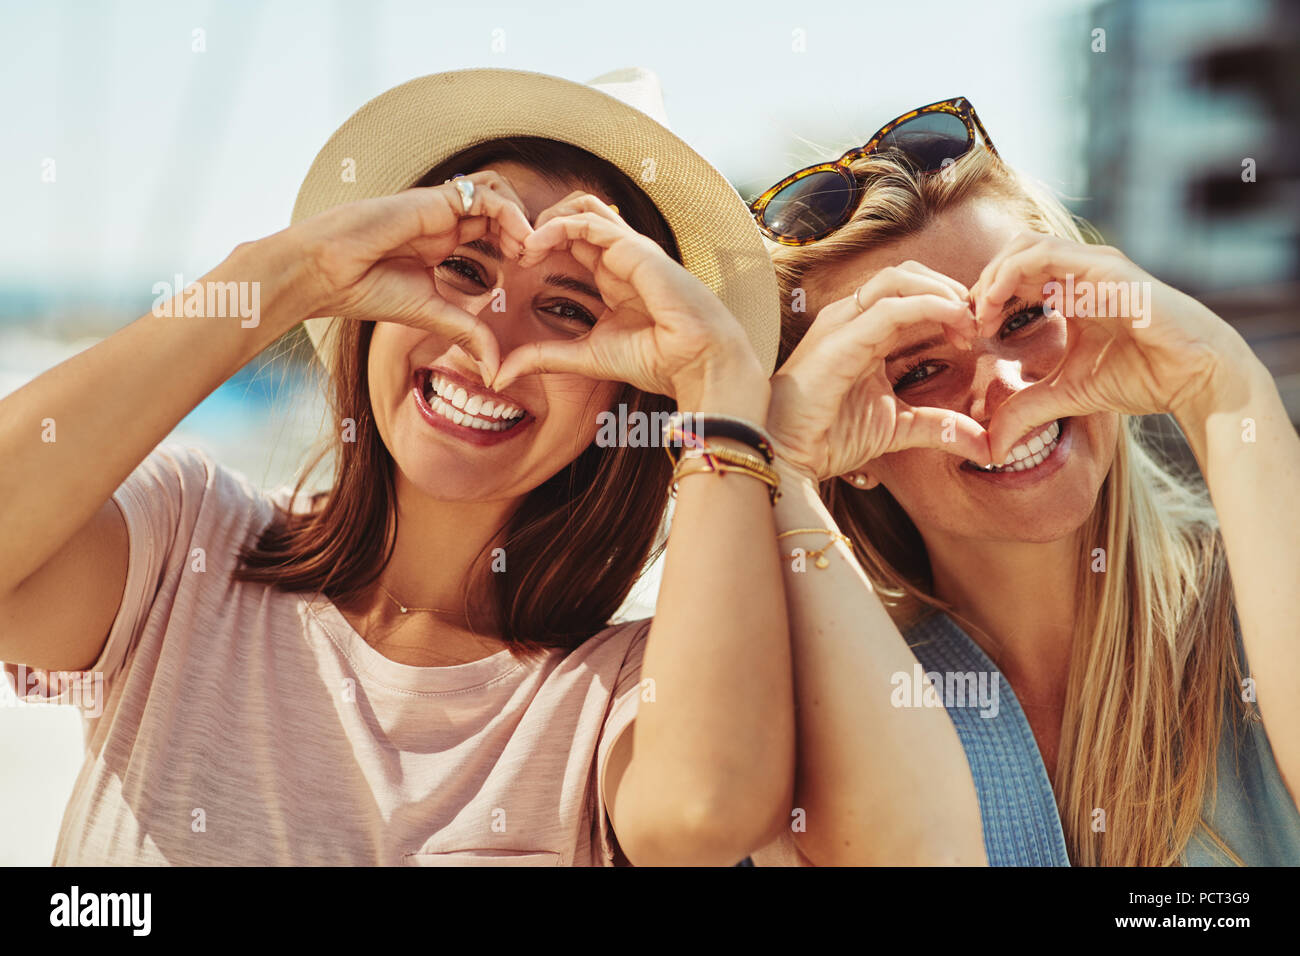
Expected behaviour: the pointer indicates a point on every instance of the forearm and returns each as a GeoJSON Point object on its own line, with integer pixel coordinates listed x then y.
{"type": "Point", "coordinates": [72, 435]}
{"type": "Point", "coordinates": [878, 784]}
{"type": "Point", "coordinates": [1249, 453]}
{"type": "Point", "coordinates": [714, 747]}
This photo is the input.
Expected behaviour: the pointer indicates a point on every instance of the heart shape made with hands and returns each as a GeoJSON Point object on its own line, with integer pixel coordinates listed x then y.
{"type": "Point", "coordinates": [1097, 371]}
{"type": "Point", "coordinates": [659, 316]}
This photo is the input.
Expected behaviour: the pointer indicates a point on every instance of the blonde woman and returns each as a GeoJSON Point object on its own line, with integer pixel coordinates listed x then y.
{"type": "Point", "coordinates": [418, 665]}
{"type": "Point", "coordinates": [937, 324]}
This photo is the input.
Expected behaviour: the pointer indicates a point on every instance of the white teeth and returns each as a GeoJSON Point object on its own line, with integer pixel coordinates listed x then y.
{"type": "Point", "coordinates": [456, 404]}
{"type": "Point", "coordinates": [1032, 452]}
{"type": "Point", "coordinates": [468, 421]}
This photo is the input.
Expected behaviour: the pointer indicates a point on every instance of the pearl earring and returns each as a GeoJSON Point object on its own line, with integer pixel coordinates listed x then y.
{"type": "Point", "coordinates": [860, 480]}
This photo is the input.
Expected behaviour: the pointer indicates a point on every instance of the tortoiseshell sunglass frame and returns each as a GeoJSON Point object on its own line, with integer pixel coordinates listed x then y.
{"type": "Point", "coordinates": [958, 106]}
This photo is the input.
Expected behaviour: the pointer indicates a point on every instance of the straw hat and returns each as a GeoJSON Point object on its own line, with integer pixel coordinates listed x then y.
{"type": "Point", "coordinates": [400, 135]}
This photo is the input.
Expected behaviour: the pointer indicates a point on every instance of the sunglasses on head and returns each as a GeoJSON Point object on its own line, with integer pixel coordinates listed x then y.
{"type": "Point", "coordinates": [814, 202]}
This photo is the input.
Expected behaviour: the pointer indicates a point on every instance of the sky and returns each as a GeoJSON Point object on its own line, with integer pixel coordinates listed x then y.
{"type": "Point", "coordinates": [165, 158]}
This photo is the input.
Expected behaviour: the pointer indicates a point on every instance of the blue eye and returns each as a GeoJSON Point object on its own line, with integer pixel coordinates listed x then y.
{"type": "Point", "coordinates": [914, 375]}
{"type": "Point", "coordinates": [1021, 319]}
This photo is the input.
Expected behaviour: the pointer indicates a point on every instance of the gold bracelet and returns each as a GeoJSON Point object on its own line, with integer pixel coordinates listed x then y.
{"type": "Point", "coordinates": [819, 556]}
{"type": "Point", "coordinates": [733, 457]}
{"type": "Point", "coordinates": [707, 464]}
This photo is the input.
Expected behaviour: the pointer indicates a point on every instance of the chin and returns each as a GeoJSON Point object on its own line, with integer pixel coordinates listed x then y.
{"type": "Point", "coordinates": [444, 472]}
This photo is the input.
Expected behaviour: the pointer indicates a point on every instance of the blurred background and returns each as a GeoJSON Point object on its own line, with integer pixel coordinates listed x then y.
{"type": "Point", "coordinates": [145, 139]}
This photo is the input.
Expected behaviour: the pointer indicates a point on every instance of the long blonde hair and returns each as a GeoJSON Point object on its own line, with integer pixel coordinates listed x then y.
{"type": "Point", "coordinates": [1153, 665]}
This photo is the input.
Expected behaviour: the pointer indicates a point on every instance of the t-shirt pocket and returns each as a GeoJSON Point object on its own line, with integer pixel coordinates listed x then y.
{"type": "Point", "coordinates": [492, 857]}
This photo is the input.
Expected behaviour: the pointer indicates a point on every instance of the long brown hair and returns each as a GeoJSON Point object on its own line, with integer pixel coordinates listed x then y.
{"type": "Point", "coordinates": [575, 544]}
{"type": "Point", "coordinates": [1152, 665]}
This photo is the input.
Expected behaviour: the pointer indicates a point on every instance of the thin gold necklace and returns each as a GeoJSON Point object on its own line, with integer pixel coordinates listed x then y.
{"type": "Point", "coordinates": [407, 610]}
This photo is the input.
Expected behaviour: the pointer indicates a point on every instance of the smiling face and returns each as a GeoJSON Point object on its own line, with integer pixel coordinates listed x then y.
{"type": "Point", "coordinates": [504, 445]}
{"type": "Point", "coordinates": [943, 494]}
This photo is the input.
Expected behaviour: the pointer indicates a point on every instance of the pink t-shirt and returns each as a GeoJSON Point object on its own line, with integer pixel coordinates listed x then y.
{"type": "Point", "coordinates": [244, 725]}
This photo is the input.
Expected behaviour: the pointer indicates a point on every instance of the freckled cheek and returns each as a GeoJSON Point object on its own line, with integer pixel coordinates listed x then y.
{"type": "Point", "coordinates": [1047, 350]}
{"type": "Point", "coordinates": [916, 474]}
{"type": "Point", "coordinates": [572, 403]}
{"type": "Point", "coordinates": [1102, 430]}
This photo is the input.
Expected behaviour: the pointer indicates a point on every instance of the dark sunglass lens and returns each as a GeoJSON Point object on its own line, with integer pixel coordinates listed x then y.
{"type": "Point", "coordinates": [929, 139]}
{"type": "Point", "coordinates": [807, 207]}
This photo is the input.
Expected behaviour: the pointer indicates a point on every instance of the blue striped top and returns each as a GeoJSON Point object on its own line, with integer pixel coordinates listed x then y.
{"type": "Point", "coordinates": [1250, 808]}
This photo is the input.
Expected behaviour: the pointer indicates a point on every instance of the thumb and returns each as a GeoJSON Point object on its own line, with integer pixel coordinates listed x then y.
{"type": "Point", "coordinates": [545, 356]}
{"type": "Point", "coordinates": [1032, 406]}
{"type": "Point", "coordinates": [944, 429]}
{"type": "Point", "coordinates": [465, 330]}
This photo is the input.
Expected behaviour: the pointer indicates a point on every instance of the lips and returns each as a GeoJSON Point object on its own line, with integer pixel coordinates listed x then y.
{"type": "Point", "coordinates": [1031, 451]}
{"type": "Point", "coordinates": [1041, 453]}
{"type": "Point", "coordinates": [456, 405]}
{"type": "Point", "coordinates": [469, 406]}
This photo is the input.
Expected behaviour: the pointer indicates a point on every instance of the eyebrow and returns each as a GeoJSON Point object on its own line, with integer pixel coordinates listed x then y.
{"type": "Point", "coordinates": [485, 247]}
{"type": "Point", "coordinates": [1014, 306]}
{"type": "Point", "coordinates": [574, 285]}
{"type": "Point", "coordinates": [923, 346]}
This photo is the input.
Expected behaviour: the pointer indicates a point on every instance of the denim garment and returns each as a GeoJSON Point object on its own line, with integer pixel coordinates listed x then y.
{"type": "Point", "coordinates": [1250, 809]}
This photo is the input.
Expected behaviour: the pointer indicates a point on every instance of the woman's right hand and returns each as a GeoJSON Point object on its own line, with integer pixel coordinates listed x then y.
{"type": "Point", "coordinates": [833, 408]}
{"type": "Point", "coordinates": [374, 259]}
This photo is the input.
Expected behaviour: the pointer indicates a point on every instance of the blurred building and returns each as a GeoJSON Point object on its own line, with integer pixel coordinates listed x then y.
{"type": "Point", "coordinates": [1184, 94]}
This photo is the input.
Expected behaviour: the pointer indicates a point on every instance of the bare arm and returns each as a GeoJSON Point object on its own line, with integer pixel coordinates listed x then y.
{"type": "Point", "coordinates": [714, 751]}
{"type": "Point", "coordinates": [877, 784]}
{"type": "Point", "coordinates": [62, 540]}
{"type": "Point", "coordinates": [1249, 453]}
{"type": "Point", "coordinates": [880, 785]}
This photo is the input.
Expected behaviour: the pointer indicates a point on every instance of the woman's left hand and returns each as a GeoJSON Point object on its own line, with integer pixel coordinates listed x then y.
{"type": "Point", "coordinates": [665, 331]}
{"type": "Point", "coordinates": [1137, 346]}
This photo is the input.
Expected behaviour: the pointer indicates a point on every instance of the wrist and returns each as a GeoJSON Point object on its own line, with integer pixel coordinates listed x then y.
{"type": "Point", "coordinates": [283, 280]}
{"type": "Point", "coordinates": [793, 476]}
{"type": "Point", "coordinates": [727, 386]}
{"type": "Point", "coordinates": [1226, 404]}
{"type": "Point", "coordinates": [1236, 376]}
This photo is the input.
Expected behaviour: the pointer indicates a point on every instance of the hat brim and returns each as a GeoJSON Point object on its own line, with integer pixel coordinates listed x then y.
{"type": "Point", "coordinates": [397, 137]}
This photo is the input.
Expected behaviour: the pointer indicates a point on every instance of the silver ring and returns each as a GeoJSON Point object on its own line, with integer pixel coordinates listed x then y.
{"type": "Point", "coordinates": [466, 189]}
{"type": "Point", "coordinates": [856, 300]}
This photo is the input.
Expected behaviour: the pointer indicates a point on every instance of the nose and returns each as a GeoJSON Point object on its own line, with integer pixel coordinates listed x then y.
{"type": "Point", "coordinates": [507, 312]}
{"type": "Point", "coordinates": [996, 378]}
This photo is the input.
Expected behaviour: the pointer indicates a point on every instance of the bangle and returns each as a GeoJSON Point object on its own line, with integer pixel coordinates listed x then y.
{"type": "Point", "coordinates": [722, 460]}
{"type": "Point", "coordinates": [819, 556]}
{"type": "Point", "coordinates": [721, 468]}
{"type": "Point", "coordinates": [693, 425]}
